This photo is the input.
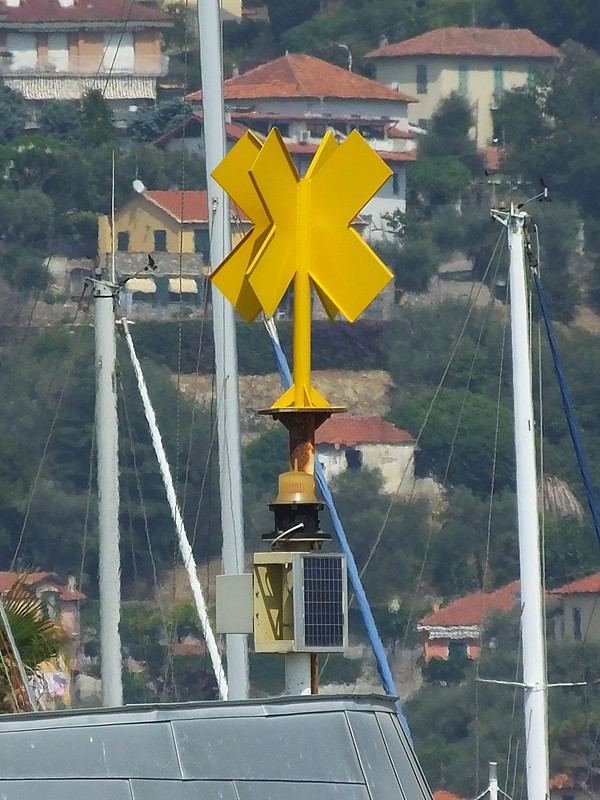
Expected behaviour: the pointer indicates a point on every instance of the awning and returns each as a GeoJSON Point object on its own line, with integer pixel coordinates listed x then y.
{"type": "Point", "coordinates": [183, 286]}
{"type": "Point", "coordinates": [145, 285]}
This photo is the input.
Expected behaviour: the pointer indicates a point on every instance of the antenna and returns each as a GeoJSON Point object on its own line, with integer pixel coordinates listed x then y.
{"type": "Point", "coordinates": [540, 196]}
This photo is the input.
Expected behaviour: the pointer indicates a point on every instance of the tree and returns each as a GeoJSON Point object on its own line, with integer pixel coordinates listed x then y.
{"type": "Point", "coordinates": [13, 113]}
{"type": "Point", "coordinates": [36, 637]}
{"type": "Point", "coordinates": [61, 119]}
{"type": "Point", "coordinates": [449, 133]}
{"type": "Point", "coordinates": [413, 263]}
{"type": "Point", "coordinates": [97, 120]}
{"type": "Point", "coordinates": [436, 181]}
{"type": "Point", "coordinates": [285, 14]}
{"type": "Point", "coordinates": [150, 122]}
{"type": "Point", "coordinates": [520, 117]}
{"type": "Point", "coordinates": [458, 444]}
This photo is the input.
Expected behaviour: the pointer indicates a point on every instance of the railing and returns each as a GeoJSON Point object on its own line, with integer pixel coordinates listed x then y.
{"type": "Point", "coordinates": [86, 66]}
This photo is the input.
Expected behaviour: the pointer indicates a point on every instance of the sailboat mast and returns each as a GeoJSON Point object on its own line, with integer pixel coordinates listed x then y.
{"type": "Point", "coordinates": [532, 612]}
{"type": "Point", "coordinates": [228, 411]}
{"type": "Point", "coordinates": [108, 493]}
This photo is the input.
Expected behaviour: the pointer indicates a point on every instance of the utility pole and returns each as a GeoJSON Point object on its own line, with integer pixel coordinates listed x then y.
{"type": "Point", "coordinates": [108, 491]}
{"type": "Point", "coordinates": [228, 411]}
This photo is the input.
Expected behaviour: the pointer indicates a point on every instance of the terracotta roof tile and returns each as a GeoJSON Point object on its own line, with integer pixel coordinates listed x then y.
{"type": "Point", "coordinates": [500, 42]}
{"type": "Point", "coordinates": [474, 608]}
{"type": "Point", "coordinates": [442, 794]}
{"type": "Point", "coordinates": [350, 431]}
{"type": "Point", "coordinates": [35, 11]}
{"type": "Point", "coordinates": [186, 206]}
{"type": "Point", "coordinates": [298, 75]}
{"type": "Point", "coordinates": [588, 585]}
{"type": "Point", "coordinates": [8, 580]}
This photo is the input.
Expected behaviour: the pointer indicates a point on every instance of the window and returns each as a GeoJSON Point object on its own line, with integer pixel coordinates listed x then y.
{"type": "Point", "coordinates": [577, 623]}
{"type": "Point", "coordinates": [23, 47]}
{"type": "Point", "coordinates": [498, 82]}
{"type": "Point", "coordinates": [395, 183]}
{"type": "Point", "coordinates": [58, 51]}
{"type": "Point", "coordinates": [421, 79]}
{"type": "Point", "coordinates": [160, 241]}
{"type": "Point", "coordinates": [457, 648]}
{"type": "Point", "coordinates": [354, 458]}
{"type": "Point", "coordinates": [463, 79]}
{"type": "Point", "coordinates": [123, 241]}
{"type": "Point", "coordinates": [118, 52]}
{"type": "Point", "coordinates": [201, 244]}
{"type": "Point", "coordinates": [50, 605]}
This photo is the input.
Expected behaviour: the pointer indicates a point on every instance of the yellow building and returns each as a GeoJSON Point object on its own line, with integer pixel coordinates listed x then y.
{"type": "Point", "coordinates": [161, 248]}
{"type": "Point", "coordinates": [233, 7]}
{"type": "Point", "coordinates": [479, 63]}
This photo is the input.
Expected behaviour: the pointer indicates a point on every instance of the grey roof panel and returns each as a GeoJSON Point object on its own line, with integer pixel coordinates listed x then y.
{"type": "Point", "coordinates": [379, 772]}
{"type": "Point", "coordinates": [300, 791]}
{"type": "Point", "coordinates": [408, 769]}
{"type": "Point", "coordinates": [111, 751]}
{"type": "Point", "coordinates": [280, 749]}
{"type": "Point", "coordinates": [181, 790]}
{"type": "Point", "coordinates": [268, 748]}
{"type": "Point", "coordinates": [65, 790]}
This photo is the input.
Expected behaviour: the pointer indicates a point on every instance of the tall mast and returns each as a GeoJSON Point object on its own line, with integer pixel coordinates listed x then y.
{"type": "Point", "coordinates": [228, 412]}
{"type": "Point", "coordinates": [532, 611]}
{"type": "Point", "coordinates": [108, 493]}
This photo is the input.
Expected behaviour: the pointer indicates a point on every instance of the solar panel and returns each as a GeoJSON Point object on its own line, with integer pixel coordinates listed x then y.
{"type": "Point", "coordinates": [320, 603]}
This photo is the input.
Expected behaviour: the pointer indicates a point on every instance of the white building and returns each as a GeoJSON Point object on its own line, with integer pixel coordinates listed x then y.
{"type": "Point", "coordinates": [304, 97]}
{"type": "Point", "coordinates": [344, 443]}
{"type": "Point", "coordinates": [479, 63]}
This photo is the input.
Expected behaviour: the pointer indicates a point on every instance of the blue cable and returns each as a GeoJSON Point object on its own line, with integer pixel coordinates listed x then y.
{"type": "Point", "coordinates": [568, 407]}
{"type": "Point", "coordinates": [383, 667]}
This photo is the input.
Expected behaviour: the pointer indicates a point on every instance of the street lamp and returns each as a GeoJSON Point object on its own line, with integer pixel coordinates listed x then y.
{"type": "Point", "coordinates": [347, 49]}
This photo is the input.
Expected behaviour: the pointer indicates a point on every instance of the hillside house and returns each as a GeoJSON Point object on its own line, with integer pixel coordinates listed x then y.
{"type": "Point", "coordinates": [456, 629]}
{"type": "Point", "coordinates": [351, 443]}
{"type": "Point", "coordinates": [577, 617]}
{"type": "Point", "coordinates": [304, 97]}
{"type": "Point", "coordinates": [479, 63]}
{"type": "Point", "coordinates": [61, 49]}
{"type": "Point", "coordinates": [172, 228]}
{"type": "Point", "coordinates": [60, 600]}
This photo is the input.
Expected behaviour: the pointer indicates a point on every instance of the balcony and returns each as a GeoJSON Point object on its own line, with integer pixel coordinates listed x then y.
{"type": "Point", "coordinates": [85, 67]}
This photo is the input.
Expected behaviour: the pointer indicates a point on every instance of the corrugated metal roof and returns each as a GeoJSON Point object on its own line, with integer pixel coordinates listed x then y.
{"type": "Point", "coordinates": [281, 749]}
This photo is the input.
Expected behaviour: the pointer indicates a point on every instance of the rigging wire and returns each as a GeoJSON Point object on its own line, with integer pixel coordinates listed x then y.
{"type": "Point", "coordinates": [74, 354]}
{"type": "Point", "coordinates": [471, 304]}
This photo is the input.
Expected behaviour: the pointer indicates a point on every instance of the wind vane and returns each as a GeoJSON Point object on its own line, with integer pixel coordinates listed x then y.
{"type": "Point", "coordinates": [301, 236]}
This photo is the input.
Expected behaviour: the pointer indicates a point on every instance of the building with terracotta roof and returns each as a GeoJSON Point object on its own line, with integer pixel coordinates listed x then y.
{"type": "Point", "coordinates": [479, 63]}
{"type": "Point", "coordinates": [457, 628]}
{"type": "Point", "coordinates": [577, 617]}
{"type": "Point", "coordinates": [61, 49]}
{"type": "Point", "coordinates": [344, 443]}
{"type": "Point", "coordinates": [60, 601]}
{"type": "Point", "coordinates": [304, 97]}
{"type": "Point", "coordinates": [170, 227]}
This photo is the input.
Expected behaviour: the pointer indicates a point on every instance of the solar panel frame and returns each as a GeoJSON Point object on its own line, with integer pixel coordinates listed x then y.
{"type": "Point", "coordinates": [320, 602]}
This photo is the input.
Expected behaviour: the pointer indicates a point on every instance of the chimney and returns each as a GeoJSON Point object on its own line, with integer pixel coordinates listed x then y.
{"type": "Point", "coordinates": [383, 41]}
{"type": "Point", "coordinates": [436, 608]}
{"type": "Point", "coordinates": [235, 71]}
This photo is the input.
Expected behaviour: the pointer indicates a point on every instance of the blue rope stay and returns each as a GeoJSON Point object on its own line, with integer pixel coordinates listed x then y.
{"type": "Point", "coordinates": [383, 667]}
{"type": "Point", "coordinates": [568, 406]}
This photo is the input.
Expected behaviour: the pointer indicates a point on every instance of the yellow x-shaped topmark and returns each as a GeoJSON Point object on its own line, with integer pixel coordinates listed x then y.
{"type": "Point", "coordinates": [301, 225]}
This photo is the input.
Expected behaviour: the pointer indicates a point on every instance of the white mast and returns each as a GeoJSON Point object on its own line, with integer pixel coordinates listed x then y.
{"type": "Point", "coordinates": [108, 493]}
{"type": "Point", "coordinates": [532, 611]}
{"type": "Point", "coordinates": [228, 412]}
